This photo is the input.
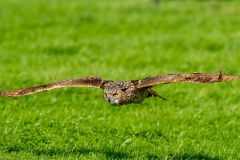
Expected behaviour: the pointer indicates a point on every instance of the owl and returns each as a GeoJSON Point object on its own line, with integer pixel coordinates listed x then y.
{"type": "Point", "coordinates": [119, 93]}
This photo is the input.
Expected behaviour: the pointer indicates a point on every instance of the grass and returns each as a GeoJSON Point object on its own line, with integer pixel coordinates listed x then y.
{"type": "Point", "coordinates": [43, 41]}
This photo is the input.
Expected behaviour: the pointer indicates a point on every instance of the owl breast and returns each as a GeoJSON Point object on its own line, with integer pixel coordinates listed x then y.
{"type": "Point", "coordinates": [120, 93]}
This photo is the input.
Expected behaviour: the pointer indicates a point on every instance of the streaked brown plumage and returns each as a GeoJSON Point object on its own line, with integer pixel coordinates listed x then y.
{"type": "Point", "coordinates": [125, 92]}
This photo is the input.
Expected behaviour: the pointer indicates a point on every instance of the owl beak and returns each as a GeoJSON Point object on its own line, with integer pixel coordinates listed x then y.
{"type": "Point", "coordinates": [112, 102]}
{"type": "Point", "coordinates": [108, 100]}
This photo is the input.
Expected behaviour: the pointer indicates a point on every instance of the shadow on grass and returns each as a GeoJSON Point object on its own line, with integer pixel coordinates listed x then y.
{"type": "Point", "coordinates": [185, 157]}
{"type": "Point", "coordinates": [110, 154]}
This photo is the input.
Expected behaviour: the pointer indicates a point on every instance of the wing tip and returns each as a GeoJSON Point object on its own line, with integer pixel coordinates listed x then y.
{"type": "Point", "coordinates": [2, 93]}
{"type": "Point", "coordinates": [221, 70]}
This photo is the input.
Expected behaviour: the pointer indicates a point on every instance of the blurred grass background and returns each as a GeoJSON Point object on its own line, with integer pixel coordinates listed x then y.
{"type": "Point", "coordinates": [43, 41]}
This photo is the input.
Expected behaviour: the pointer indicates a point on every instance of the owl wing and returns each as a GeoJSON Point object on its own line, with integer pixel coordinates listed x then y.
{"type": "Point", "coordinates": [92, 81]}
{"type": "Point", "coordinates": [191, 77]}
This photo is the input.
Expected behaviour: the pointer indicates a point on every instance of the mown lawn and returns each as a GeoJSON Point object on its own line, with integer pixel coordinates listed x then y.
{"type": "Point", "coordinates": [43, 41]}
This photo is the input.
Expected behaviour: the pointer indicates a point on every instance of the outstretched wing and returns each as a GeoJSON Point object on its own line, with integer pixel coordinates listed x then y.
{"type": "Point", "coordinates": [80, 82]}
{"type": "Point", "coordinates": [192, 77]}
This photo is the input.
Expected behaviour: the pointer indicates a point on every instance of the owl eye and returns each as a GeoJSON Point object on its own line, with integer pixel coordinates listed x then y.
{"type": "Point", "coordinates": [115, 94]}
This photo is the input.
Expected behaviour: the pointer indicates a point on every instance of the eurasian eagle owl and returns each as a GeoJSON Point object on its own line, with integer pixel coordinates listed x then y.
{"type": "Point", "coordinates": [125, 92]}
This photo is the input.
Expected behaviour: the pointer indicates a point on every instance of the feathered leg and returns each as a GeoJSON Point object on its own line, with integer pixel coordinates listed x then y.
{"type": "Point", "coordinates": [155, 94]}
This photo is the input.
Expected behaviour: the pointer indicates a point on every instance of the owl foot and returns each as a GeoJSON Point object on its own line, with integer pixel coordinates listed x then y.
{"type": "Point", "coordinates": [155, 94]}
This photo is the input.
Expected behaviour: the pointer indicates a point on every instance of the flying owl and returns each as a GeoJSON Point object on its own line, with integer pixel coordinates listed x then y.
{"type": "Point", "coordinates": [119, 93]}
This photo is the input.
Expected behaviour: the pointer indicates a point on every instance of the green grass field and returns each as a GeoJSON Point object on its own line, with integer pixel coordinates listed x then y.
{"type": "Point", "coordinates": [43, 41]}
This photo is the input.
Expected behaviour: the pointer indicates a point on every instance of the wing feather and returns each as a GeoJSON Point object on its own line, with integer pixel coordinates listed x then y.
{"type": "Point", "coordinates": [191, 77]}
{"type": "Point", "coordinates": [92, 81]}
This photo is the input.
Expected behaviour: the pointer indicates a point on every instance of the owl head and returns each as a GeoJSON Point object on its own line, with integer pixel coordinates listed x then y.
{"type": "Point", "coordinates": [114, 93]}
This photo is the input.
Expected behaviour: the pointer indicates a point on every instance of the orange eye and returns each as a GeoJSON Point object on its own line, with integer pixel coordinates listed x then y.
{"type": "Point", "coordinates": [115, 94]}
